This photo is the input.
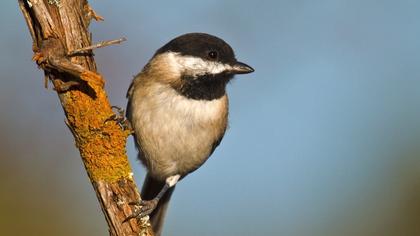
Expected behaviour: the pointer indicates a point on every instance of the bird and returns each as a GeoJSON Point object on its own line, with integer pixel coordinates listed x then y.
{"type": "Point", "coordinates": [178, 111]}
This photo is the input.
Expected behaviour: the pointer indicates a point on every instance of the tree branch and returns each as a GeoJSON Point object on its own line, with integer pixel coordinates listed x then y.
{"type": "Point", "coordinates": [58, 27]}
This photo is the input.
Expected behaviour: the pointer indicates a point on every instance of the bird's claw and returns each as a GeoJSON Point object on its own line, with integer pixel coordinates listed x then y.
{"type": "Point", "coordinates": [143, 208]}
{"type": "Point", "coordinates": [119, 117]}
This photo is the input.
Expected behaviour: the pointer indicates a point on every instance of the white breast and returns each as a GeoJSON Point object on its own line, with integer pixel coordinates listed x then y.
{"type": "Point", "coordinates": [175, 133]}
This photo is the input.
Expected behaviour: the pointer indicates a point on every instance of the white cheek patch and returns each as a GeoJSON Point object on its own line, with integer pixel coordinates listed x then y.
{"type": "Point", "coordinates": [196, 66]}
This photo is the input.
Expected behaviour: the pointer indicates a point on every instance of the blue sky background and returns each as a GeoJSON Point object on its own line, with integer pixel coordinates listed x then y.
{"type": "Point", "coordinates": [323, 139]}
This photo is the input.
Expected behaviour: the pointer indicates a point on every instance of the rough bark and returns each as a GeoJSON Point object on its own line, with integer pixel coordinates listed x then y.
{"type": "Point", "coordinates": [59, 28]}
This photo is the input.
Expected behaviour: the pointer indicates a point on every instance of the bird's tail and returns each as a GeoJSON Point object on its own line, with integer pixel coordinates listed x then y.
{"type": "Point", "coordinates": [151, 187]}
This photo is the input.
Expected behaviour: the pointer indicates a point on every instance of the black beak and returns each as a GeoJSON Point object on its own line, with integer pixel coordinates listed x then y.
{"type": "Point", "coordinates": [241, 68]}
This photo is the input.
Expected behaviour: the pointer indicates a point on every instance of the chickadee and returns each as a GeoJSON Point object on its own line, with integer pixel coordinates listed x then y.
{"type": "Point", "coordinates": [178, 109]}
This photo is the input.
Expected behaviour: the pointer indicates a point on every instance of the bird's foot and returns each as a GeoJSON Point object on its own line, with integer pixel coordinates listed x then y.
{"type": "Point", "coordinates": [119, 117]}
{"type": "Point", "coordinates": [142, 209]}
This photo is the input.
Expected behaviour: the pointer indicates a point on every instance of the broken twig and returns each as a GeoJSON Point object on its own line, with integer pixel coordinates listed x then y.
{"type": "Point", "coordinates": [95, 46]}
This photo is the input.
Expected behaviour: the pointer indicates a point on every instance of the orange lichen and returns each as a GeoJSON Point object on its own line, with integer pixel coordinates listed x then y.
{"type": "Point", "coordinates": [92, 78]}
{"type": "Point", "coordinates": [101, 142]}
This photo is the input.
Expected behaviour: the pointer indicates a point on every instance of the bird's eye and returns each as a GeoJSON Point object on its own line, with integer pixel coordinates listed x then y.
{"type": "Point", "coordinates": [213, 54]}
